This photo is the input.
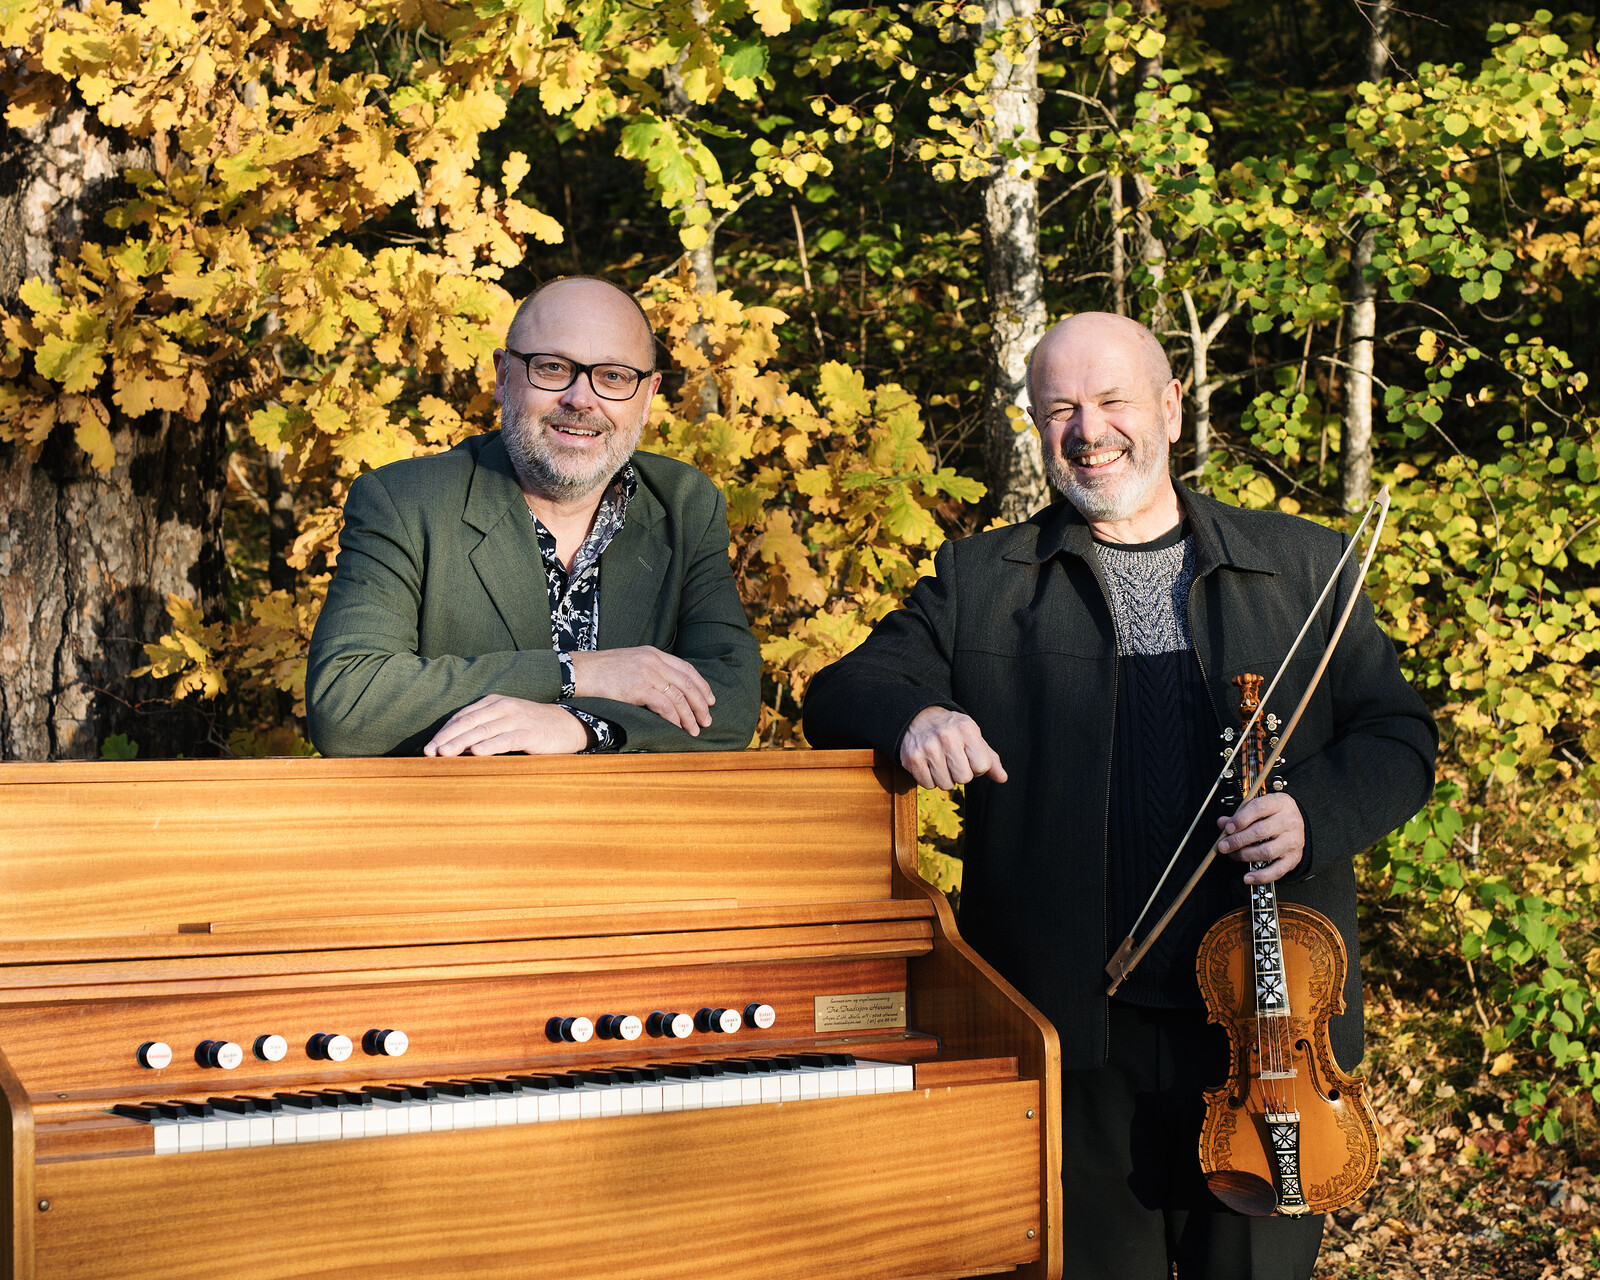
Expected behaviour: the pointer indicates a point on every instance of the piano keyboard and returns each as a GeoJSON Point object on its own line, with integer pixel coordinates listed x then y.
{"type": "Point", "coordinates": [317, 1115]}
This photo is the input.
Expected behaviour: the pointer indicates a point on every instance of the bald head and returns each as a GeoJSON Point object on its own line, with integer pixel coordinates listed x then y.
{"type": "Point", "coordinates": [1103, 332]}
{"type": "Point", "coordinates": [604, 319]}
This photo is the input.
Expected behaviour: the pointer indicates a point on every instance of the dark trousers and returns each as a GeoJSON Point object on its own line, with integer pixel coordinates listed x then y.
{"type": "Point", "coordinates": [1135, 1203]}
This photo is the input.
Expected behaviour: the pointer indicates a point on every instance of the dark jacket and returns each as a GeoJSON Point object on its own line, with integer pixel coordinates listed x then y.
{"type": "Point", "coordinates": [440, 600]}
{"type": "Point", "coordinates": [1015, 631]}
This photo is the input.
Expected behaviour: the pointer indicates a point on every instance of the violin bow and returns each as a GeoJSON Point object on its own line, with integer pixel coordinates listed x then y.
{"type": "Point", "coordinates": [1129, 953]}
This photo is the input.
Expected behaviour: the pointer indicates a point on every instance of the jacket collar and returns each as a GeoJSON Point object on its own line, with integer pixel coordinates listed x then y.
{"type": "Point", "coordinates": [508, 562]}
{"type": "Point", "coordinates": [1220, 537]}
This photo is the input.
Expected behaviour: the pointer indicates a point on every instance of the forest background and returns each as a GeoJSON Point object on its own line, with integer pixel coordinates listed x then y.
{"type": "Point", "coordinates": [250, 249]}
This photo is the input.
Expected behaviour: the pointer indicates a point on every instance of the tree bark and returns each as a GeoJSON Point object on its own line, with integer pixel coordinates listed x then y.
{"type": "Point", "coordinates": [1356, 438]}
{"type": "Point", "coordinates": [1147, 244]}
{"type": "Point", "coordinates": [87, 560]}
{"type": "Point", "coordinates": [1014, 466]}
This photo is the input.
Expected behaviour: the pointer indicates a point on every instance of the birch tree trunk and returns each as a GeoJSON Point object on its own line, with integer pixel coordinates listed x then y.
{"type": "Point", "coordinates": [1356, 441]}
{"type": "Point", "coordinates": [702, 259]}
{"type": "Point", "coordinates": [1014, 467]}
{"type": "Point", "coordinates": [87, 560]}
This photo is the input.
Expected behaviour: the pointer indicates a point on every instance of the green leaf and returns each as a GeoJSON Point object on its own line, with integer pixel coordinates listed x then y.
{"type": "Point", "coordinates": [745, 61]}
{"type": "Point", "coordinates": [119, 746]}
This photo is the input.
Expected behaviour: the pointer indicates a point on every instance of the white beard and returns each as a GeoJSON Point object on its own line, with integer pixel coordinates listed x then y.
{"type": "Point", "coordinates": [540, 464]}
{"type": "Point", "coordinates": [1113, 499]}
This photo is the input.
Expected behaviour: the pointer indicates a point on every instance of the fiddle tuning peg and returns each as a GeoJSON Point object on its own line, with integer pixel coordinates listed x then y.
{"type": "Point", "coordinates": [1278, 784]}
{"type": "Point", "coordinates": [1272, 741]}
{"type": "Point", "coordinates": [1272, 723]}
{"type": "Point", "coordinates": [1227, 736]}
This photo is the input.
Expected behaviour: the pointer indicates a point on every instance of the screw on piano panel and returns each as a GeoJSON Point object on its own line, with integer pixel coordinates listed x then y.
{"type": "Point", "coordinates": [44, 1206]}
{"type": "Point", "coordinates": [1030, 1115]}
{"type": "Point", "coordinates": [1030, 1233]}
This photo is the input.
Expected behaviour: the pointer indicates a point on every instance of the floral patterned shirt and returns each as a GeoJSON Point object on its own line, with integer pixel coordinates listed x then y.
{"type": "Point", "coordinates": [575, 596]}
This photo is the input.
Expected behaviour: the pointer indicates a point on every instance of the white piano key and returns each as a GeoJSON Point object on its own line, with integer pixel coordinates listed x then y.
{"type": "Point", "coordinates": [770, 1088]}
{"type": "Point", "coordinates": [828, 1084]}
{"type": "Point", "coordinates": [238, 1132]}
{"type": "Point", "coordinates": [883, 1080]}
{"type": "Point", "coordinates": [905, 1079]}
{"type": "Point", "coordinates": [283, 1128]}
{"type": "Point", "coordinates": [505, 1110]}
{"type": "Point", "coordinates": [421, 1116]}
{"type": "Point", "coordinates": [483, 1112]}
{"type": "Point", "coordinates": [260, 1130]}
{"type": "Point", "coordinates": [632, 1098]}
{"type": "Point", "coordinates": [465, 1113]}
{"type": "Point", "coordinates": [396, 1116]}
{"type": "Point", "coordinates": [527, 1107]}
{"type": "Point", "coordinates": [189, 1135]}
{"type": "Point", "coordinates": [549, 1108]}
{"type": "Point", "coordinates": [442, 1115]}
{"type": "Point", "coordinates": [789, 1087]}
{"type": "Point", "coordinates": [809, 1084]}
{"type": "Point", "coordinates": [749, 1090]}
{"type": "Point", "coordinates": [569, 1104]}
{"type": "Point", "coordinates": [374, 1122]}
{"type": "Point", "coordinates": [652, 1099]}
{"type": "Point", "coordinates": [352, 1123]}
{"type": "Point", "coordinates": [844, 1079]}
{"type": "Point", "coordinates": [610, 1102]}
{"type": "Point", "coordinates": [330, 1125]}
{"type": "Point", "coordinates": [213, 1135]}
{"type": "Point", "coordinates": [672, 1097]}
{"type": "Point", "coordinates": [166, 1137]}
{"type": "Point", "coordinates": [588, 1104]}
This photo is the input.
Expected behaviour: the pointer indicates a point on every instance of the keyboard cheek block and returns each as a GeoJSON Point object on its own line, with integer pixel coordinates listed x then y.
{"type": "Point", "coordinates": [729, 1032]}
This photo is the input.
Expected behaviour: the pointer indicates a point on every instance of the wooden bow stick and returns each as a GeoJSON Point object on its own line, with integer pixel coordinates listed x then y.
{"type": "Point", "coordinates": [1129, 953]}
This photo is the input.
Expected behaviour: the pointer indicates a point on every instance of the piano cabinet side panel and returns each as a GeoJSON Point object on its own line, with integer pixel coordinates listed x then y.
{"type": "Point", "coordinates": [955, 994]}
{"type": "Point", "coordinates": [934, 1182]}
{"type": "Point", "coordinates": [16, 1152]}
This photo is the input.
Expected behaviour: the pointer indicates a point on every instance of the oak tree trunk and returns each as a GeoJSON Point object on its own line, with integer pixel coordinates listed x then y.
{"type": "Point", "coordinates": [1014, 467]}
{"type": "Point", "coordinates": [87, 559]}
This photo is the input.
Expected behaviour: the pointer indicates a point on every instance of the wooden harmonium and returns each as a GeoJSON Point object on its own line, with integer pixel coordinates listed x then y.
{"type": "Point", "coordinates": [627, 1017]}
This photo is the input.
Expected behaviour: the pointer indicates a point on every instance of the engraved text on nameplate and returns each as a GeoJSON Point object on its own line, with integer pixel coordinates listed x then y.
{"type": "Point", "coordinates": [867, 1012]}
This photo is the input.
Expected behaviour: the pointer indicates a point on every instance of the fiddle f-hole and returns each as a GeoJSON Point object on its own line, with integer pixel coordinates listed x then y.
{"type": "Point", "coordinates": [1304, 1046]}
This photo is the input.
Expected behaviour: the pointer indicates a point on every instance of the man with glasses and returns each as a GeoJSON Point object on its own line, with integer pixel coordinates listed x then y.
{"type": "Point", "coordinates": [544, 588]}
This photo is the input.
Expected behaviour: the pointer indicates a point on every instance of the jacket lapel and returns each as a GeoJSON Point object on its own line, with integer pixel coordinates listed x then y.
{"type": "Point", "coordinates": [507, 561]}
{"type": "Point", "coordinates": [632, 569]}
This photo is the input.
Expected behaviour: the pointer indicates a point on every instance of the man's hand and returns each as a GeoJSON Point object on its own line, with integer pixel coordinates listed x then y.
{"type": "Point", "coordinates": [646, 677]}
{"type": "Point", "coordinates": [498, 725]}
{"type": "Point", "coordinates": [943, 748]}
{"type": "Point", "coordinates": [1269, 829]}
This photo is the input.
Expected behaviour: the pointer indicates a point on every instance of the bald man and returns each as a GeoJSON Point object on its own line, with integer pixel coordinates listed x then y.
{"type": "Point", "coordinates": [1075, 673]}
{"type": "Point", "coordinates": [544, 588]}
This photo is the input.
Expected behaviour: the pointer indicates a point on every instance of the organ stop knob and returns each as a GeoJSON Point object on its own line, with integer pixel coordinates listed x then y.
{"type": "Point", "coordinates": [271, 1048]}
{"type": "Point", "coordinates": [218, 1053]}
{"type": "Point", "coordinates": [760, 1016]}
{"type": "Point", "coordinates": [571, 1030]}
{"type": "Point", "coordinates": [155, 1055]}
{"type": "Point", "coordinates": [618, 1026]}
{"type": "Point", "coordinates": [674, 1026]}
{"type": "Point", "coordinates": [723, 1021]}
{"type": "Point", "coordinates": [335, 1048]}
{"type": "Point", "coordinates": [385, 1043]}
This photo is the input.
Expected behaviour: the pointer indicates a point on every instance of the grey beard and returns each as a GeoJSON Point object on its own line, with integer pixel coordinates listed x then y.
{"type": "Point", "coordinates": [539, 469]}
{"type": "Point", "coordinates": [1112, 504]}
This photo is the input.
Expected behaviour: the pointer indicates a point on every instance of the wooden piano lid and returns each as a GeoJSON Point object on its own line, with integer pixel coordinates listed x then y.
{"type": "Point", "coordinates": [186, 857]}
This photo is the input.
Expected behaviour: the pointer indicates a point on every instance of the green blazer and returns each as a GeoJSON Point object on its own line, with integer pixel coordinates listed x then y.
{"type": "Point", "coordinates": [440, 599]}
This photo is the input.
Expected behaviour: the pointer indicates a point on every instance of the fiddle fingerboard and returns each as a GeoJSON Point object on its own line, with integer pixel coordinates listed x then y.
{"type": "Point", "coordinates": [1272, 993]}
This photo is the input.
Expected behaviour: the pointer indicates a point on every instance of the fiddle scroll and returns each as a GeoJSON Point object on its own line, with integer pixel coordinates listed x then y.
{"type": "Point", "coordinates": [1288, 1132]}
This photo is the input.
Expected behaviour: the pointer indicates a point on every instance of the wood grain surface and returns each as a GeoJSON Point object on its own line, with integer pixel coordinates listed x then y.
{"type": "Point", "coordinates": [929, 1182]}
{"type": "Point", "coordinates": [150, 848]}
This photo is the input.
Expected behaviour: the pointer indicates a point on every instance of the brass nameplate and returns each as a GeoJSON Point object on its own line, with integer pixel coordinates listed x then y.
{"type": "Point", "coordinates": [868, 1012]}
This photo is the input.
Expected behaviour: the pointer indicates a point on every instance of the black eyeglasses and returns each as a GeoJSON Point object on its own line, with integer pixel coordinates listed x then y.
{"type": "Point", "coordinates": [557, 373]}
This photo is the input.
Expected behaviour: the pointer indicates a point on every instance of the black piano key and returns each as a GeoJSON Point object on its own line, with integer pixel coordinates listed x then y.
{"type": "Point", "coordinates": [264, 1106]}
{"type": "Point", "coordinates": [193, 1110]}
{"type": "Point", "coordinates": [732, 1066]}
{"type": "Point", "coordinates": [786, 1062]}
{"type": "Point", "coordinates": [684, 1070]}
{"type": "Point", "coordinates": [841, 1059]}
{"type": "Point", "coordinates": [501, 1087]}
{"type": "Point", "coordinates": [600, 1077]}
{"type": "Point", "coordinates": [302, 1101]}
{"type": "Point", "coordinates": [537, 1084]}
{"type": "Point", "coordinates": [138, 1111]}
{"type": "Point", "coordinates": [567, 1080]}
{"type": "Point", "coordinates": [482, 1088]}
{"type": "Point", "coordinates": [344, 1098]}
{"type": "Point", "coordinates": [450, 1088]}
{"type": "Point", "coordinates": [423, 1092]}
{"type": "Point", "coordinates": [816, 1061]}
{"type": "Point", "coordinates": [389, 1093]}
{"type": "Point", "coordinates": [235, 1106]}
